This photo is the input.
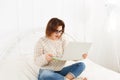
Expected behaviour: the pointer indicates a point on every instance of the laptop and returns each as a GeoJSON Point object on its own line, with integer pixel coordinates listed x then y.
{"type": "Point", "coordinates": [74, 51]}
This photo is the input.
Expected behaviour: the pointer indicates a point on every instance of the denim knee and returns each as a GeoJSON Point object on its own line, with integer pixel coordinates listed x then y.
{"type": "Point", "coordinates": [78, 68]}
{"type": "Point", "coordinates": [81, 65]}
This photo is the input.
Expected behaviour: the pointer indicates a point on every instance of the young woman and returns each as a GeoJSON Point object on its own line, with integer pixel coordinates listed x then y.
{"type": "Point", "coordinates": [52, 45]}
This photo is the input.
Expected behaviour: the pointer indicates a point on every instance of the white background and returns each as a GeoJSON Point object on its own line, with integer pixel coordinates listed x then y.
{"type": "Point", "coordinates": [96, 21]}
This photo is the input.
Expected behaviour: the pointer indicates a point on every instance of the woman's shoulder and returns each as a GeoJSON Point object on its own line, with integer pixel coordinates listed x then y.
{"type": "Point", "coordinates": [40, 42]}
{"type": "Point", "coordinates": [41, 39]}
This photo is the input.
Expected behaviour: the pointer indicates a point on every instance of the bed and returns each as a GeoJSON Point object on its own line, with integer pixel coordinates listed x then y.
{"type": "Point", "coordinates": [18, 64]}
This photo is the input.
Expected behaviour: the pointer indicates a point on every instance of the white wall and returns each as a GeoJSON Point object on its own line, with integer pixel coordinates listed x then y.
{"type": "Point", "coordinates": [86, 20]}
{"type": "Point", "coordinates": [105, 51]}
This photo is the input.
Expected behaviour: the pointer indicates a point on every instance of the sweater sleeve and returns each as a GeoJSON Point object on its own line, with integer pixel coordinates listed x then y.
{"type": "Point", "coordinates": [39, 56]}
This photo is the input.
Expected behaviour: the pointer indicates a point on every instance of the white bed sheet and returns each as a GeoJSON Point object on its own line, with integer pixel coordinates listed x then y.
{"type": "Point", "coordinates": [18, 63]}
{"type": "Point", "coordinates": [23, 68]}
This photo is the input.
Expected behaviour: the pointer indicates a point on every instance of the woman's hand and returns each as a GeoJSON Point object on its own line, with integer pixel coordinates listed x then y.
{"type": "Point", "coordinates": [84, 56]}
{"type": "Point", "coordinates": [49, 57]}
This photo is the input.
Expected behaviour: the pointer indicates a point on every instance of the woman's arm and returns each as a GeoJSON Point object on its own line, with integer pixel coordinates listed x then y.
{"type": "Point", "coordinates": [39, 56]}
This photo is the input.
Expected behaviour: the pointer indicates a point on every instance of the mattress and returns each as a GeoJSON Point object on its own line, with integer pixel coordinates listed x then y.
{"type": "Point", "coordinates": [23, 68]}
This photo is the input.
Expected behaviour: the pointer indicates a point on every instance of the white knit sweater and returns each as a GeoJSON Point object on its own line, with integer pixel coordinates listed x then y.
{"type": "Point", "coordinates": [46, 45]}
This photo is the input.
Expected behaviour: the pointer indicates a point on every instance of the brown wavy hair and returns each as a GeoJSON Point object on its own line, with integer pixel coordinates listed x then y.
{"type": "Point", "coordinates": [52, 26]}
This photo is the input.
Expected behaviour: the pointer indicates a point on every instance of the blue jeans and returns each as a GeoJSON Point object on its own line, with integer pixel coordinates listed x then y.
{"type": "Point", "coordinates": [75, 69]}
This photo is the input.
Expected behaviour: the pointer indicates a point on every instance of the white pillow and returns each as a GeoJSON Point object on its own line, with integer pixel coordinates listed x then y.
{"type": "Point", "coordinates": [19, 68]}
{"type": "Point", "coordinates": [28, 68]}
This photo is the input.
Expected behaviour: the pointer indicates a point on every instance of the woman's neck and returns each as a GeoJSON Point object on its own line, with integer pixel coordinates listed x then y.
{"type": "Point", "coordinates": [53, 39]}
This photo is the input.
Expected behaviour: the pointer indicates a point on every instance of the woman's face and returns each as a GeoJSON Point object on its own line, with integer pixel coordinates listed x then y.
{"type": "Point", "coordinates": [57, 34]}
